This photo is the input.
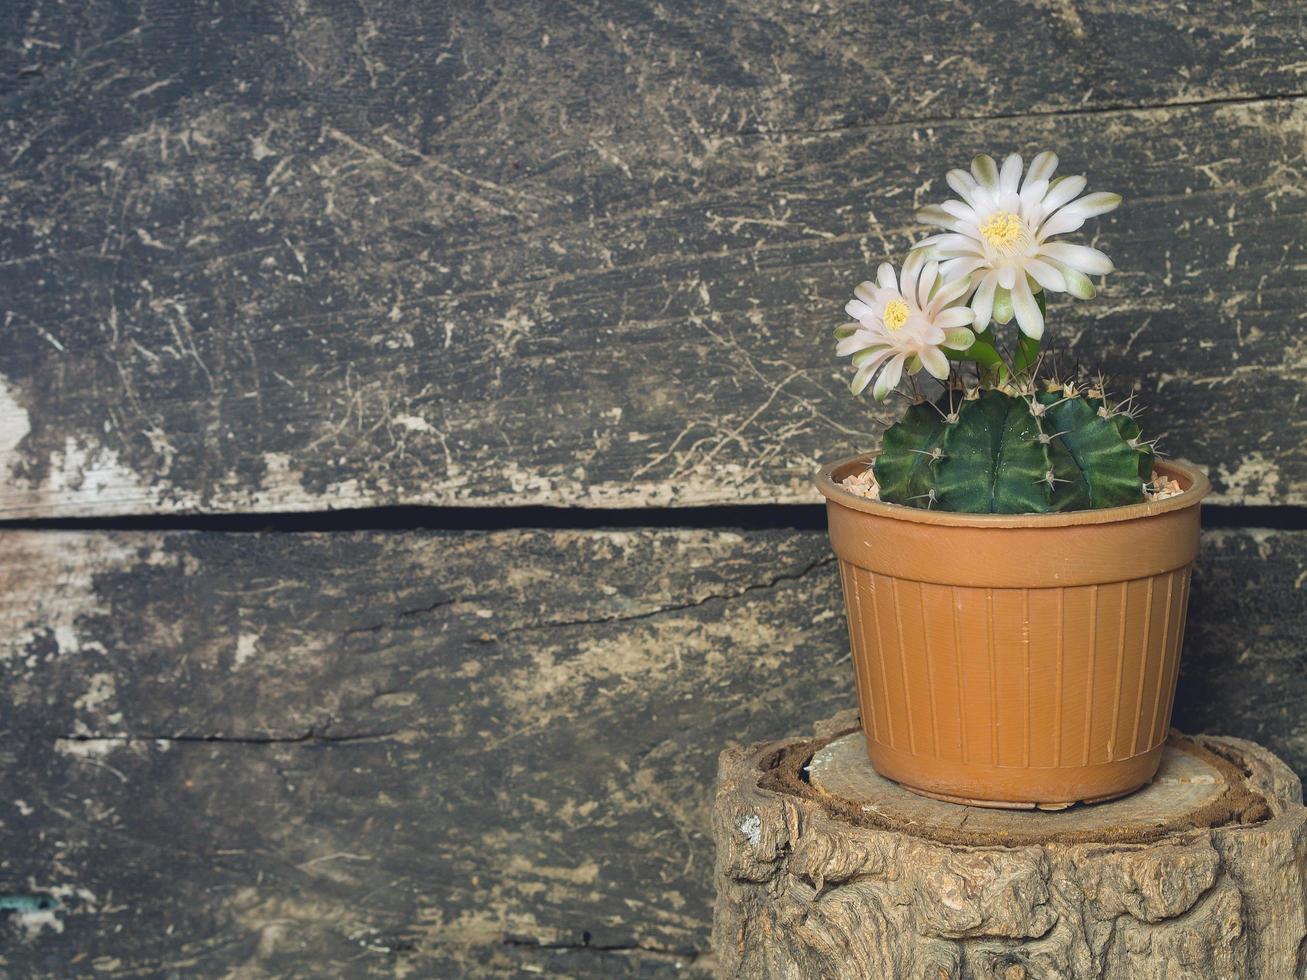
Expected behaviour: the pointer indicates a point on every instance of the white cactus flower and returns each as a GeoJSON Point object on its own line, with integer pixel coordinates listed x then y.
{"type": "Point", "coordinates": [1001, 232]}
{"type": "Point", "coordinates": [904, 323]}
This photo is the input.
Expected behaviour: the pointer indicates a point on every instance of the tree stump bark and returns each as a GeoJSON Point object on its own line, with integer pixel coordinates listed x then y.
{"type": "Point", "coordinates": [825, 869]}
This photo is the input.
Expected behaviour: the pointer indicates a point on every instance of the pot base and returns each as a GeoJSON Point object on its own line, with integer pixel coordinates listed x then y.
{"type": "Point", "coordinates": [1014, 787]}
{"type": "Point", "coordinates": [1188, 782]}
{"type": "Point", "coordinates": [1013, 804]}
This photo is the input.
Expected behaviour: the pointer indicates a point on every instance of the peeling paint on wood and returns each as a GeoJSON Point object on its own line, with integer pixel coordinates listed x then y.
{"type": "Point", "coordinates": [427, 754]}
{"type": "Point", "coordinates": [514, 253]}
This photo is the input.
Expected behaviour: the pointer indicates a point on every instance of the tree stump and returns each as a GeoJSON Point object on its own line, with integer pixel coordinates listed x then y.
{"type": "Point", "coordinates": [825, 869]}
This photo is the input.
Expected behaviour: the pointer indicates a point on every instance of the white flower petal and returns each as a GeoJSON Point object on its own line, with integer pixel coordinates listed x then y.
{"type": "Point", "coordinates": [1077, 283]}
{"type": "Point", "coordinates": [931, 335]}
{"type": "Point", "coordinates": [961, 211]}
{"type": "Point", "coordinates": [1041, 168]}
{"type": "Point", "coordinates": [860, 380]}
{"type": "Point", "coordinates": [927, 246]}
{"type": "Point", "coordinates": [1009, 178]}
{"type": "Point", "coordinates": [925, 283]}
{"type": "Point", "coordinates": [910, 273]}
{"type": "Point", "coordinates": [865, 291]}
{"type": "Point", "coordinates": [1060, 223]}
{"type": "Point", "coordinates": [949, 246]}
{"type": "Point", "coordinates": [888, 378]}
{"type": "Point", "coordinates": [1100, 202]}
{"type": "Point", "coordinates": [982, 304]}
{"type": "Point", "coordinates": [955, 316]}
{"type": "Point", "coordinates": [963, 184]}
{"type": "Point", "coordinates": [934, 361]}
{"type": "Point", "coordinates": [885, 276]}
{"type": "Point", "coordinates": [986, 200]}
{"type": "Point", "coordinates": [1062, 190]}
{"type": "Point", "coordinates": [985, 171]}
{"type": "Point", "coordinates": [1002, 305]}
{"type": "Point", "coordinates": [853, 344]}
{"type": "Point", "coordinates": [1046, 275]}
{"type": "Point", "coordinates": [871, 355]}
{"type": "Point", "coordinates": [1029, 319]}
{"type": "Point", "coordinates": [1031, 196]}
{"type": "Point", "coordinates": [857, 309]}
{"type": "Point", "coordinates": [1088, 260]}
{"type": "Point", "coordinates": [960, 266]}
{"type": "Point", "coordinates": [934, 214]}
{"type": "Point", "coordinates": [1007, 277]}
{"type": "Point", "coordinates": [959, 338]}
{"type": "Point", "coordinates": [952, 289]}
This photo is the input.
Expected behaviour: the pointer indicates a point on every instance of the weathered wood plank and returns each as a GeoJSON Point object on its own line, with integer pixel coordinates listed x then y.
{"type": "Point", "coordinates": [361, 754]}
{"type": "Point", "coordinates": [521, 253]}
{"type": "Point", "coordinates": [496, 758]}
{"type": "Point", "coordinates": [736, 66]}
{"type": "Point", "coordinates": [1244, 670]}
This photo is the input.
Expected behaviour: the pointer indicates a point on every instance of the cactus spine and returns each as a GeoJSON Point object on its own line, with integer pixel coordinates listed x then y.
{"type": "Point", "coordinates": [1012, 452]}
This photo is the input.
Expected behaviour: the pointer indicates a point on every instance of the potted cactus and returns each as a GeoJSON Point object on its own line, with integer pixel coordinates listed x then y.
{"type": "Point", "coordinates": [1015, 557]}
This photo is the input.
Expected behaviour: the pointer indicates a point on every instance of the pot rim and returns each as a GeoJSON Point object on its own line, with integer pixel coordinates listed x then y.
{"type": "Point", "coordinates": [1196, 484]}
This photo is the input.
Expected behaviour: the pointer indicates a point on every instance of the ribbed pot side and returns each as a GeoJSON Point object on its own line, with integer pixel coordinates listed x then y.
{"type": "Point", "coordinates": [1015, 659]}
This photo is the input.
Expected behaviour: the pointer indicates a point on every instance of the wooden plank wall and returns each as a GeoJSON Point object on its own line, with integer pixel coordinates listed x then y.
{"type": "Point", "coordinates": [280, 257]}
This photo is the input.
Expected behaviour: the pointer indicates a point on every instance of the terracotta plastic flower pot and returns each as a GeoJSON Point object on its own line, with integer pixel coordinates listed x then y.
{"type": "Point", "coordinates": [1015, 660]}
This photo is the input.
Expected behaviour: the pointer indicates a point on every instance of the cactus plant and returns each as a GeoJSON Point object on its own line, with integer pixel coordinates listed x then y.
{"type": "Point", "coordinates": [995, 440]}
{"type": "Point", "coordinates": [991, 451]}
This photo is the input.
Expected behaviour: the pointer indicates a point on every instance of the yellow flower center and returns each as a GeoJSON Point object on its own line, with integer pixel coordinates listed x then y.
{"type": "Point", "coordinates": [1005, 231]}
{"type": "Point", "coordinates": [895, 315]}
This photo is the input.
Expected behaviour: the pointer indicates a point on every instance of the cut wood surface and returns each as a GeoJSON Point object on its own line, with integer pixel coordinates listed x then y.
{"type": "Point", "coordinates": [590, 254]}
{"type": "Point", "coordinates": [1188, 784]}
{"type": "Point", "coordinates": [375, 754]}
{"type": "Point", "coordinates": [849, 876]}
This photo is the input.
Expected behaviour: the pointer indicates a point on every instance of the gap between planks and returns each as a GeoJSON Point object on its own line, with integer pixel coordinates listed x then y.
{"type": "Point", "coordinates": [749, 517]}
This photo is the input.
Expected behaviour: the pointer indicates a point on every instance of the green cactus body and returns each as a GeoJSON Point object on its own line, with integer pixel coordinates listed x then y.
{"type": "Point", "coordinates": [1013, 454]}
{"type": "Point", "coordinates": [993, 459]}
{"type": "Point", "coordinates": [1129, 430]}
{"type": "Point", "coordinates": [911, 447]}
{"type": "Point", "coordinates": [1100, 467]}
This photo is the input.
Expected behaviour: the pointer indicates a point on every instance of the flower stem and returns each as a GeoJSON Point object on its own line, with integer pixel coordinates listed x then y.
{"type": "Point", "coordinates": [987, 359]}
{"type": "Point", "coordinates": [1027, 355]}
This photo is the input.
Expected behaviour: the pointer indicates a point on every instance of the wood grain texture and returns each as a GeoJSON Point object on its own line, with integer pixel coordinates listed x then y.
{"type": "Point", "coordinates": [579, 254]}
{"type": "Point", "coordinates": [376, 754]}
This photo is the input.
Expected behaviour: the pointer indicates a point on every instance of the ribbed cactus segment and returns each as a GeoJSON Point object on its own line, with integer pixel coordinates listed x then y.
{"type": "Point", "coordinates": [994, 452]}
{"type": "Point", "coordinates": [911, 447]}
{"type": "Point", "coordinates": [1099, 466]}
{"type": "Point", "coordinates": [1129, 430]}
{"type": "Point", "coordinates": [994, 462]}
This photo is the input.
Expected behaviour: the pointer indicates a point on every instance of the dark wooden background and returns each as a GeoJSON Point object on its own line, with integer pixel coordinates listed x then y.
{"type": "Point", "coordinates": [563, 273]}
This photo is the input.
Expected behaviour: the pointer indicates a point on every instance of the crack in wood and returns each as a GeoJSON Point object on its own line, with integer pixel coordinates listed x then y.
{"type": "Point", "coordinates": [678, 607]}
{"type": "Point", "coordinates": [402, 614]}
{"type": "Point", "coordinates": [307, 738]}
